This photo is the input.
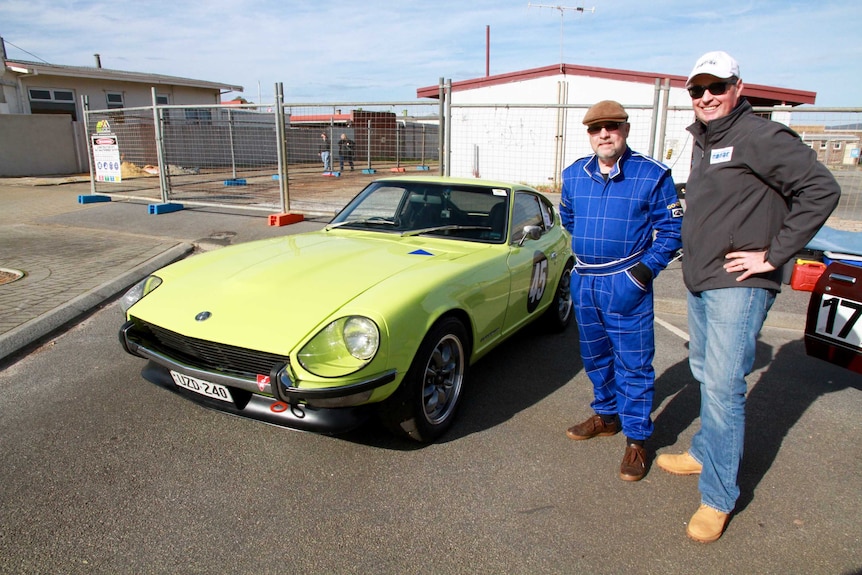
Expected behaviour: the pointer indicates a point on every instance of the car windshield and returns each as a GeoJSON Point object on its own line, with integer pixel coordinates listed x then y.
{"type": "Point", "coordinates": [464, 212]}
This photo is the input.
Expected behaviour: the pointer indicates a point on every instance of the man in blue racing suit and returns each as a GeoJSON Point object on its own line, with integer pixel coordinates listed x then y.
{"type": "Point", "coordinates": [625, 219]}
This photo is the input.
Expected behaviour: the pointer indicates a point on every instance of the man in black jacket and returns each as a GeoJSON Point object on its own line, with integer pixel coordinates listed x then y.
{"type": "Point", "coordinates": [346, 148]}
{"type": "Point", "coordinates": [756, 195]}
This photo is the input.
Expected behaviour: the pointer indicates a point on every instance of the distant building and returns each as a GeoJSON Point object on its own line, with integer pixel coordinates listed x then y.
{"type": "Point", "coordinates": [34, 140]}
{"type": "Point", "coordinates": [835, 145]}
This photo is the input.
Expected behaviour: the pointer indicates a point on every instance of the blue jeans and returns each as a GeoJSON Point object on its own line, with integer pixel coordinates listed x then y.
{"type": "Point", "coordinates": [723, 326]}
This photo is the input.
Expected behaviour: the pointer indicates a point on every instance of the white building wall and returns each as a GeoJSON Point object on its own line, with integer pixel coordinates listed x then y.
{"type": "Point", "coordinates": [520, 143]}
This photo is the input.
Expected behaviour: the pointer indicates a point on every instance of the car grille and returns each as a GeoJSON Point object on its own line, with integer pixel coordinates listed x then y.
{"type": "Point", "coordinates": [207, 355]}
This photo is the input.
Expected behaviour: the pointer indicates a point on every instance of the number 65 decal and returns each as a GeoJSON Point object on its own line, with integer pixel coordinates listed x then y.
{"type": "Point", "coordinates": [837, 318]}
{"type": "Point", "coordinates": [538, 281]}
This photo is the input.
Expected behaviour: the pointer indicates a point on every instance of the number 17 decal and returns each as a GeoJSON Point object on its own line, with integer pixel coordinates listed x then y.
{"type": "Point", "coordinates": [837, 318]}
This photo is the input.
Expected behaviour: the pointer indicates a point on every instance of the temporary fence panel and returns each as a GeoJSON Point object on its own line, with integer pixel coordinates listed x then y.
{"type": "Point", "coordinates": [229, 155]}
{"type": "Point", "coordinates": [134, 129]}
{"type": "Point", "coordinates": [388, 137]}
{"type": "Point", "coordinates": [835, 134]}
{"type": "Point", "coordinates": [526, 143]}
{"type": "Point", "coordinates": [221, 155]}
{"type": "Point", "coordinates": [532, 144]}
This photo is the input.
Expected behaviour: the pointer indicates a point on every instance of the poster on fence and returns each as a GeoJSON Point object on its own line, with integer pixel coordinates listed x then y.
{"type": "Point", "coordinates": [106, 158]}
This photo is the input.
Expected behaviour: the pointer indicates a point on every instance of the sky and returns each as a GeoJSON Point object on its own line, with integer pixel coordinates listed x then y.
{"type": "Point", "coordinates": [374, 50]}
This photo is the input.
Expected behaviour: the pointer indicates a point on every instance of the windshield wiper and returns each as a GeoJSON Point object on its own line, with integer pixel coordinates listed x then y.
{"type": "Point", "coordinates": [374, 220]}
{"type": "Point", "coordinates": [443, 228]}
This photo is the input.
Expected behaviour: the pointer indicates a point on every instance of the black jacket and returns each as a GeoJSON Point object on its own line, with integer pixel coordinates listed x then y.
{"type": "Point", "coordinates": [754, 185]}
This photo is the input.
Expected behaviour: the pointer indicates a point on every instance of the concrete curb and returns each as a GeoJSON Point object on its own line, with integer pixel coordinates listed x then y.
{"type": "Point", "coordinates": [39, 327]}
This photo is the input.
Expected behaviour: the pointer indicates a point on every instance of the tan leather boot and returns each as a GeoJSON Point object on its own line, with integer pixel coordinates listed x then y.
{"type": "Point", "coordinates": [707, 524]}
{"type": "Point", "coordinates": [680, 464]}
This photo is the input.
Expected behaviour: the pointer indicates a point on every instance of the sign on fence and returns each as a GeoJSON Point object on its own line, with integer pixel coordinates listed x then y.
{"type": "Point", "coordinates": [106, 158]}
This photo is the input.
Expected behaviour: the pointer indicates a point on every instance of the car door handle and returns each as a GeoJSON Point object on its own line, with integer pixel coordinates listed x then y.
{"type": "Point", "coordinates": [553, 255]}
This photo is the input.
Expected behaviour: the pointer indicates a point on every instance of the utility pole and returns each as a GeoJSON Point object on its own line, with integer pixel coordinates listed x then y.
{"type": "Point", "coordinates": [562, 10]}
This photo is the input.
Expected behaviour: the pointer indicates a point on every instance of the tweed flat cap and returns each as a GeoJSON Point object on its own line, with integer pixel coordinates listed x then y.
{"type": "Point", "coordinates": [605, 111]}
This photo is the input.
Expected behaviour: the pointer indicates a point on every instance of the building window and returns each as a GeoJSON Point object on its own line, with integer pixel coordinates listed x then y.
{"type": "Point", "coordinates": [162, 100]}
{"type": "Point", "coordinates": [52, 101]}
{"type": "Point", "coordinates": [836, 145]}
{"type": "Point", "coordinates": [198, 115]}
{"type": "Point", "coordinates": [114, 100]}
{"type": "Point", "coordinates": [41, 95]}
{"type": "Point", "coordinates": [823, 145]}
{"type": "Point", "coordinates": [46, 95]}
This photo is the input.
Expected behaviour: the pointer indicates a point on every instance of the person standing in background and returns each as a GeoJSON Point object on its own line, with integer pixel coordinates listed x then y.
{"type": "Point", "coordinates": [324, 152]}
{"type": "Point", "coordinates": [346, 148]}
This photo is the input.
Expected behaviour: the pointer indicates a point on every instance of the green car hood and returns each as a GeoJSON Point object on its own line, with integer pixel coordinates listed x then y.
{"type": "Point", "coordinates": [269, 295]}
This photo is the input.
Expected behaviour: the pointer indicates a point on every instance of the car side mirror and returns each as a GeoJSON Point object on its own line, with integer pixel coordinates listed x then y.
{"type": "Point", "coordinates": [531, 233]}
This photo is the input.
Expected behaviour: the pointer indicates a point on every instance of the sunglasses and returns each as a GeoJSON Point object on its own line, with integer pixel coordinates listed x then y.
{"type": "Point", "coordinates": [716, 88]}
{"type": "Point", "coordinates": [609, 126]}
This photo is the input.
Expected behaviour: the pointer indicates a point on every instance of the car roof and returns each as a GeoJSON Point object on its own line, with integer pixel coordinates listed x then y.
{"type": "Point", "coordinates": [456, 181]}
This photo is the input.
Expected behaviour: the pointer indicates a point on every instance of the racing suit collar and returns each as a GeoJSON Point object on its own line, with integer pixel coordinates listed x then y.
{"type": "Point", "coordinates": [593, 169]}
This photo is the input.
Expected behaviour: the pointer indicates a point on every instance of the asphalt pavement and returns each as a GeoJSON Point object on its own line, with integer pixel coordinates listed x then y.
{"type": "Point", "coordinates": [504, 492]}
{"type": "Point", "coordinates": [60, 258]}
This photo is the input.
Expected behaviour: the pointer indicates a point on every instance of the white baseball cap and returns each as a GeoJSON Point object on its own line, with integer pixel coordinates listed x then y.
{"type": "Point", "coordinates": [719, 64]}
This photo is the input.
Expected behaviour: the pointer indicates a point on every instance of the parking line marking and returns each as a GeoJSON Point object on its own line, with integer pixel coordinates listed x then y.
{"type": "Point", "coordinates": [674, 330]}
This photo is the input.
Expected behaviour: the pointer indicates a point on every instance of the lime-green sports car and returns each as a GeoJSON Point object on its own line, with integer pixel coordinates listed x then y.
{"type": "Point", "coordinates": [381, 311]}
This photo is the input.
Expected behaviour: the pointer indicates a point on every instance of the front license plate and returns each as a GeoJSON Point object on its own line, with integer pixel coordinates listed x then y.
{"type": "Point", "coordinates": [838, 319]}
{"type": "Point", "coordinates": [206, 388]}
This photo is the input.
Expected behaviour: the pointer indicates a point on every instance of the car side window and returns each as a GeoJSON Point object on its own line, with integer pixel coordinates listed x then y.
{"type": "Point", "coordinates": [547, 213]}
{"type": "Point", "coordinates": [527, 212]}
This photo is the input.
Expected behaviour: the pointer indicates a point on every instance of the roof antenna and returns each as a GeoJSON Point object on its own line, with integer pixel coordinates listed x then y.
{"type": "Point", "coordinates": [562, 10]}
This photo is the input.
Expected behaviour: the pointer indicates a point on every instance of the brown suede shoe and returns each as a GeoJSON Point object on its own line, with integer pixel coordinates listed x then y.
{"type": "Point", "coordinates": [633, 467]}
{"type": "Point", "coordinates": [707, 524]}
{"type": "Point", "coordinates": [679, 464]}
{"type": "Point", "coordinates": [593, 427]}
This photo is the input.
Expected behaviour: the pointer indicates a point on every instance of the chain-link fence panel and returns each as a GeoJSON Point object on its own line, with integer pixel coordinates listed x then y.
{"type": "Point", "coordinates": [376, 137]}
{"type": "Point", "coordinates": [229, 155]}
{"type": "Point", "coordinates": [532, 144]}
{"type": "Point", "coordinates": [222, 155]}
{"type": "Point", "coordinates": [836, 136]}
{"type": "Point", "coordinates": [134, 129]}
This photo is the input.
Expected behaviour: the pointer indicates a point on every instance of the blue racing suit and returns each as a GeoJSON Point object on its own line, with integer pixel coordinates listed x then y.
{"type": "Point", "coordinates": [625, 229]}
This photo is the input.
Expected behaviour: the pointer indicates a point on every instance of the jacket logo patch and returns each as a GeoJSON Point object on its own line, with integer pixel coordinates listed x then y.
{"type": "Point", "coordinates": [721, 155]}
{"type": "Point", "coordinates": [676, 210]}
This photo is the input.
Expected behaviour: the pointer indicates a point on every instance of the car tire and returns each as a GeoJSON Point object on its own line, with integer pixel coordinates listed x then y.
{"type": "Point", "coordinates": [424, 405]}
{"type": "Point", "coordinates": [559, 315]}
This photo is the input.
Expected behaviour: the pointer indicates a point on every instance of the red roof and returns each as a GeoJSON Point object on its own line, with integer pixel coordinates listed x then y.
{"type": "Point", "coordinates": [757, 94]}
{"type": "Point", "coordinates": [318, 118]}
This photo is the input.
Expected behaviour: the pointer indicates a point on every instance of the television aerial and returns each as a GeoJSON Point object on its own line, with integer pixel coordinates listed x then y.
{"type": "Point", "coordinates": [562, 10]}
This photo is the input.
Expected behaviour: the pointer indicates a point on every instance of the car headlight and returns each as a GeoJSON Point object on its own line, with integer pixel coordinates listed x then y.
{"type": "Point", "coordinates": [342, 347]}
{"type": "Point", "coordinates": [138, 291]}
